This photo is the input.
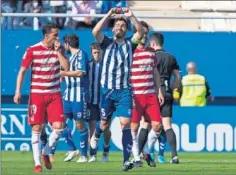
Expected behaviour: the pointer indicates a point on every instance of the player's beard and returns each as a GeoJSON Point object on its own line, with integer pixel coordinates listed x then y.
{"type": "Point", "coordinates": [119, 35]}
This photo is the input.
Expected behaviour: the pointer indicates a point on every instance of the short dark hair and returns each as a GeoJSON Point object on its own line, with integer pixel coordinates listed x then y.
{"type": "Point", "coordinates": [158, 38]}
{"type": "Point", "coordinates": [144, 24]}
{"type": "Point", "coordinates": [121, 19]}
{"type": "Point", "coordinates": [95, 45]}
{"type": "Point", "coordinates": [72, 40]}
{"type": "Point", "coordinates": [48, 27]}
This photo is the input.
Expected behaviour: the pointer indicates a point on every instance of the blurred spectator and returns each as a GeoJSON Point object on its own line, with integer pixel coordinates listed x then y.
{"type": "Point", "coordinates": [83, 7]}
{"type": "Point", "coordinates": [8, 6]}
{"type": "Point", "coordinates": [32, 6]}
{"type": "Point", "coordinates": [118, 3]}
{"type": "Point", "coordinates": [194, 89]}
{"type": "Point", "coordinates": [58, 7]}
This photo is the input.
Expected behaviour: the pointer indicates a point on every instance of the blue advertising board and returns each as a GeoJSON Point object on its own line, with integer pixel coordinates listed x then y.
{"type": "Point", "coordinates": [197, 129]}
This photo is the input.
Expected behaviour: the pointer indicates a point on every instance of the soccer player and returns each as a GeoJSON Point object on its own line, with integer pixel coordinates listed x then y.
{"type": "Point", "coordinates": [93, 106]}
{"type": "Point", "coordinates": [145, 81]}
{"type": "Point", "coordinates": [45, 59]}
{"type": "Point", "coordinates": [116, 92]}
{"type": "Point", "coordinates": [77, 93]}
{"type": "Point", "coordinates": [167, 67]}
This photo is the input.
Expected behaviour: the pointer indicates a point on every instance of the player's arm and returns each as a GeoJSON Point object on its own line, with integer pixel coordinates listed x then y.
{"type": "Point", "coordinates": [157, 81]}
{"type": "Point", "coordinates": [64, 63]}
{"type": "Point", "coordinates": [71, 73]}
{"type": "Point", "coordinates": [80, 67]}
{"type": "Point", "coordinates": [97, 30]}
{"type": "Point", "coordinates": [176, 74]}
{"type": "Point", "coordinates": [176, 82]}
{"type": "Point", "coordinates": [26, 62]}
{"type": "Point", "coordinates": [139, 28]}
{"type": "Point", "coordinates": [19, 82]}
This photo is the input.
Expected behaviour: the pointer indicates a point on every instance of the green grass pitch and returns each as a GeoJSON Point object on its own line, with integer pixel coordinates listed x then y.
{"type": "Point", "coordinates": [20, 163]}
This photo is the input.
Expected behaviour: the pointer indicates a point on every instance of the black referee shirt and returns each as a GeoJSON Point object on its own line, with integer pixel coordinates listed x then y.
{"type": "Point", "coordinates": [166, 64]}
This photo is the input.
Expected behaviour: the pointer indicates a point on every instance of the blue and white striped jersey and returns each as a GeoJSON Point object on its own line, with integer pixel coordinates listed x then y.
{"type": "Point", "coordinates": [116, 63]}
{"type": "Point", "coordinates": [78, 62]}
{"type": "Point", "coordinates": [94, 82]}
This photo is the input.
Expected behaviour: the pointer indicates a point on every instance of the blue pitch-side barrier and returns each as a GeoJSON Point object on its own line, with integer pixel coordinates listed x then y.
{"type": "Point", "coordinates": [197, 129]}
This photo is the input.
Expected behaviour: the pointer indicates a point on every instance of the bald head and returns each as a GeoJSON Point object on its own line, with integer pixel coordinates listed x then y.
{"type": "Point", "coordinates": [191, 68]}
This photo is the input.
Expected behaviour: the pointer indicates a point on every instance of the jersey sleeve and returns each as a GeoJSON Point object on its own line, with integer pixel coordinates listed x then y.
{"type": "Point", "coordinates": [105, 42]}
{"type": "Point", "coordinates": [175, 65]}
{"type": "Point", "coordinates": [27, 58]}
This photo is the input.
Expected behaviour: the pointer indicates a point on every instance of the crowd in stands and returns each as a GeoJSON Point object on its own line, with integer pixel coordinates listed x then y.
{"type": "Point", "coordinates": [59, 6]}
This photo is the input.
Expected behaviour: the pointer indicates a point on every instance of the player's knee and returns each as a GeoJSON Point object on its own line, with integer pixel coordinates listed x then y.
{"type": "Point", "coordinates": [125, 122]}
{"type": "Point", "coordinates": [166, 122]}
{"type": "Point", "coordinates": [103, 125]}
{"type": "Point", "coordinates": [58, 126]}
{"type": "Point", "coordinates": [80, 125]}
{"type": "Point", "coordinates": [37, 128]}
{"type": "Point", "coordinates": [156, 126]}
{"type": "Point", "coordinates": [134, 127]}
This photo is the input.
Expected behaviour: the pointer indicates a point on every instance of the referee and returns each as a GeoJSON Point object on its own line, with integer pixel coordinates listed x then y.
{"type": "Point", "coordinates": [167, 67]}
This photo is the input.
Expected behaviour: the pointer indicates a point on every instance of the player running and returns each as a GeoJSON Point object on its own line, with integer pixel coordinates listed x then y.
{"type": "Point", "coordinates": [145, 81]}
{"type": "Point", "coordinates": [93, 106]}
{"type": "Point", "coordinates": [76, 93]}
{"type": "Point", "coordinates": [116, 64]}
{"type": "Point", "coordinates": [44, 59]}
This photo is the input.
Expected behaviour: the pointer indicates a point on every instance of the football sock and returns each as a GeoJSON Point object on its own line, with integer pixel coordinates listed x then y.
{"type": "Point", "coordinates": [84, 142]}
{"type": "Point", "coordinates": [98, 130]}
{"type": "Point", "coordinates": [142, 139]}
{"type": "Point", "coordinates": [127, 143]}
{"type": "Point", "coordinates": [53, 138]}
{"type": "Point", "coordinates": [152, 138]}
{"type": "Point", "coordinates": [171, 138]}
{"type": "Point", "coordinates": [135, 148]}
{"type": "Point", "coordinates": [43, 138]}
{"type": "Point", "coordinates": [107, 136]}
{"type": "Point", "coordinates": [68, 138]}
{"type": "Point", "coordinates": [162, 143]}
{"type": "Point", "coordinates": [106, 148]}
{"type": "Point", "coordinates": [36, 143]}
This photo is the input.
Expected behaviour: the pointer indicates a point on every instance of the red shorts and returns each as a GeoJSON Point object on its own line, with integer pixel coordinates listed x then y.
{"type": "Point", "coordinates": [45, 108]}
{"type": "Point", "coordinates": [146, 105]}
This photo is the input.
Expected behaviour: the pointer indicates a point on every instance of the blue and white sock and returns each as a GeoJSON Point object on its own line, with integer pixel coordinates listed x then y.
{"type": "Point", "coordinates": [127, 143]}
{"type": "Point", "coordinates": [162, 143]}
{"type": "Point", "coordinates": [84, 142]}
{"type": "Point", "coordinates": [68, 138]}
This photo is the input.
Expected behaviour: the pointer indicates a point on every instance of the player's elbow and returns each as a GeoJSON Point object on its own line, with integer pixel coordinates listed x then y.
{"type": "Point", "coordinates": [80, 74]}
{"type": "Point", "coordinates": [95, 32]}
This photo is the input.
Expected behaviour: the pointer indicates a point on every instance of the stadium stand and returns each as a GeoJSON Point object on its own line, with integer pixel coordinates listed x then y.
{"type": "Point", "coordinates": [211, 25]}
{"type": "Point", "coordinates": [232, 22]}
{"type": "Point", "coordinates": [188, 8]}
{"type": "Point", "coordinates": [163, 8]}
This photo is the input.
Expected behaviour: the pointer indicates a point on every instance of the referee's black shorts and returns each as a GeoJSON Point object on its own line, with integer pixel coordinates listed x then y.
{"type": "Point", "coordinates": [166, 108]}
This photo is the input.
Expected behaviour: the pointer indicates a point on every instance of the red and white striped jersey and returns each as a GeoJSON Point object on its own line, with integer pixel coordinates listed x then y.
{"type": "Point", "coordinates": [45, 69]}
{"type": "Point", "coordinates": [144, 63]}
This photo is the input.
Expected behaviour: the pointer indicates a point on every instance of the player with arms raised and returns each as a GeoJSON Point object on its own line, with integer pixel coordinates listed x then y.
{"type": "Point", "coordinates": [116, 92]}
